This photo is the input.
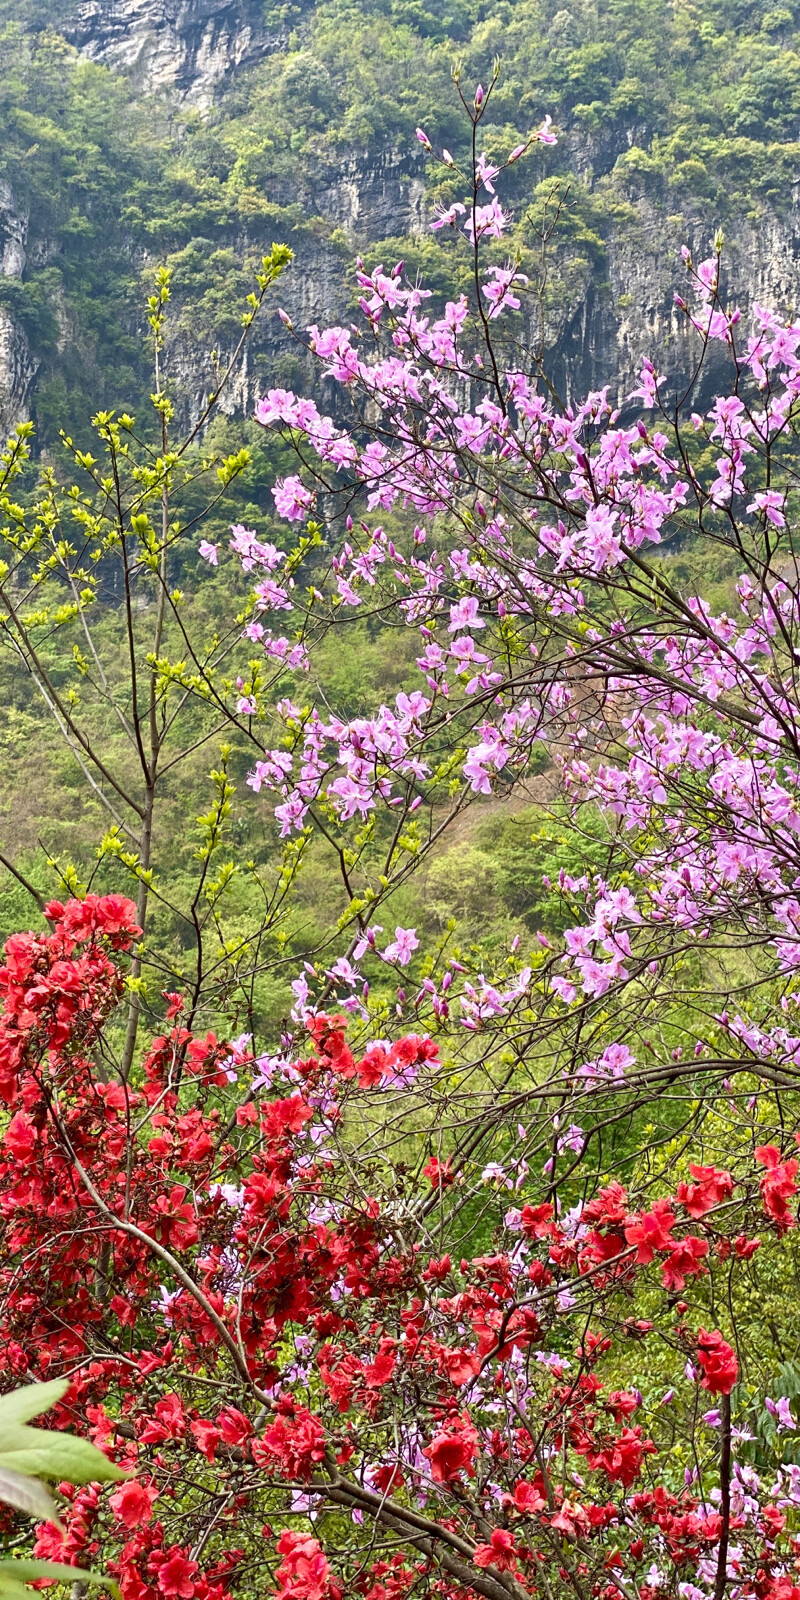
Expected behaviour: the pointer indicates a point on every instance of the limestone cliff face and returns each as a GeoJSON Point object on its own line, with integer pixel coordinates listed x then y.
{"type": "Point", "coordinates": [625, 309]}
{"type": "Point", "coordinates": [188, 46]}
{"type": "Point", "coordinates": [609, 306]}
{"type": "Point", "coordinates": [604, 315]}
{"type": "Point", "coordinates": [366, 198]}
{"type": "Point", "coordinates": [17, 365]}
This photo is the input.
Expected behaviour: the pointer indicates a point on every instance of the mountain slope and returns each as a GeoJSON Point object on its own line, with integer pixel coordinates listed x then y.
{"type": "Point", "coordinates": [199, 130]}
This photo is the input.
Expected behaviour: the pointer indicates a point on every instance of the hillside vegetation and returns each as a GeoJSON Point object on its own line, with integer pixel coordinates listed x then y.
{"type": "Point", "coordinates": [695, 105]}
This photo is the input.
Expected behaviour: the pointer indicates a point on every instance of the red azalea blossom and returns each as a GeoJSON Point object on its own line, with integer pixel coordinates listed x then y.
{"type": "Point", "coordinates": [718, 1362]}
{"type": "Point", "coordinates": [452, 1451]}
{"type": "Point", "coordinates": [500, 1552]}
{"type": "Point", "coordinates": [777, 1186]}
{"type": "Point", "coordinates": [366, 1317]}
{"type": "Point", "coordinates": [710, 1187]}
{"type": "Point", "coordinates": [132, 1503]}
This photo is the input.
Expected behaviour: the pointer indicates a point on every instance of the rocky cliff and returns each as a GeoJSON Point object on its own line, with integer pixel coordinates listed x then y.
{"type": "Point", "coordinates": [188, 46]}
{"type": "Point", "coordinates": [606, 311]}
{"type": "Point", "coordinates": [610, 298]}
{"type": "Point", "coordinates": [18, 367]}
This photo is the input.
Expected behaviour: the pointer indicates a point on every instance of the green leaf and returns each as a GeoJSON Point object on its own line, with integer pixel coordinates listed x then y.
{"type": "Point", "coordinates": [15, 1574]}
{"type": "Point", "coordinates": [57, 1455]}
{"type": "Point", "coordinates": [26, 1494]}
{"type": "Point", "coordinates": [30, 1401]}
{"type": "Point", "coordinates": [10, 1589]}
{"type": "Point", "coordinates": [28, 1570]}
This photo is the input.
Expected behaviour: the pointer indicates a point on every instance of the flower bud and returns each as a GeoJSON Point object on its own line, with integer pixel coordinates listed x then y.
{"type": "Point", "coordinates": [479, 97]}
{"type": "Point", "coordinates": [423, 138]}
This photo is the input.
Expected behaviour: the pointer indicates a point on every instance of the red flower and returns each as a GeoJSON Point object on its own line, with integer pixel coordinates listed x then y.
{"type": "Point", "coordinates": [535, 1221]}
{"type": "Point", "coordinates": [773, 1521]}
{"type": "Point", "coordinates": [132, 1503]}
{"type": "Point", "coordinates": [463, 1366]}
{"type": "Point", "coordinates": [206, 1437]}
{"type": "Point", "coordinates": [437, 1271]}
{"type": "Point", "coordinates": [686, 1260]}
{"type": "Point", "coordinates": [529, 1498]}
{"type": "Point", "coordinates": [20, 1138]}
{"type": "Point", "coordinates": [304, 1573]}
{"type": "Point", "coordinates": [451, 1451]}
{"type": "Point", "coordinates": [379, 1371]}
{"type": "Point", "coordinates": [777, 1185]}
{"type": "Point", "coordinates": [651, 1231]}
{"type": "Point", "coordinates": [608, 1208]}
{"type": "Point", "coordinates": [622, 1458]}
{"type": "Point", "coordinates": [571, 1519]}
{"type": "Point", "coordinates": [718, 1362]}
{"type": "Point", "coordinates": [500, 1552]}
{"type": "Point", "coordinates": [711, 1186]}
{"type": "Point", "coordinates": [439, 1173]}
{"type": "Point", "coordinates": [175, 1575]}
{"type": "Point", "coordinates": [111, 915]}
{"type": "Point", "coordinates": [234, 1426]}
{"type": "Point", "coordinates": [168, 1421]}
{"type": "Point", "coordinates": [388, 1478]}
{"type": "Point", "coordinates": [745, 1247]}
{"type": "Point", "coordinates": [297, 1442]}
{"type": "Point", "coordinates": [175, 1223]}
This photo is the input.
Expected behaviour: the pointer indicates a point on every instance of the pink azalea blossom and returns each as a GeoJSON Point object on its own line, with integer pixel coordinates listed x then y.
{"type": "Point", "coordinates": [402, 947]}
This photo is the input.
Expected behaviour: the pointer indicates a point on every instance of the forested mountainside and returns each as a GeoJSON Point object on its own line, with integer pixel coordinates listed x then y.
{"type": "Point", "coordinates": [197, 131]}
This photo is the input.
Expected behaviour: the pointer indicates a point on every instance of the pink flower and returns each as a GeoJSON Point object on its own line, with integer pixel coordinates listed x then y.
{"type": "Point", "coordinates": [209, 552]}
{"type": "Point", "coordinates": [486, 172]}
{"type": "Point", "coordinates": [487, 222]}
{"type": "Point", "coordinates": [292, 498]}
{"type": "Point", "coordinates": [499, 293]}
{"type": "Point", "coordinates": [464, 614]}
{"type": "Point", "coordinates": [367, 941]}
{"type": "Point", "coordinates": [447, 218]}
{"type": "Point", "coordinates": [770, 501]}
{"type": "Point", "coordinates": [403, 945]}
{"type": "Point", "coordinates": [782, 1413]}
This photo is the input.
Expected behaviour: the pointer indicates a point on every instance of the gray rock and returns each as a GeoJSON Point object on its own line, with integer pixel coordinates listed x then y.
{"type": "Point", "coordinates": [607, 306]}
{"type": "Point", "coordinates": [13, 233]}
{"type": "Point", "coordinates": [18, 367]}
{"type": "Point", "coordinates": [186, 45]}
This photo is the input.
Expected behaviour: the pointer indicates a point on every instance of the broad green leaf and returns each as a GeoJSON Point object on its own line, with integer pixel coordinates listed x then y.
{"type": "Point", "coordinates": [16, 1575]}
{"type": "Point", "coordinates": [11, 1589]}
{"type": "Point", "coordinates": [57, 1455]}
{"type": "Point", "coordinates": [28, 1495]}
{"type": "Point", "coordinates": [30, 1401]}
{"type": "Point", "coordinates": [28, 1570]}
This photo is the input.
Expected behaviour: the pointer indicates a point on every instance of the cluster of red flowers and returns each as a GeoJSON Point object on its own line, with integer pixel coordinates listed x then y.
{"type": "Point", "coordinates": [240, 1333]}
{"type": "Point", "coordinates": [777, 1185]}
